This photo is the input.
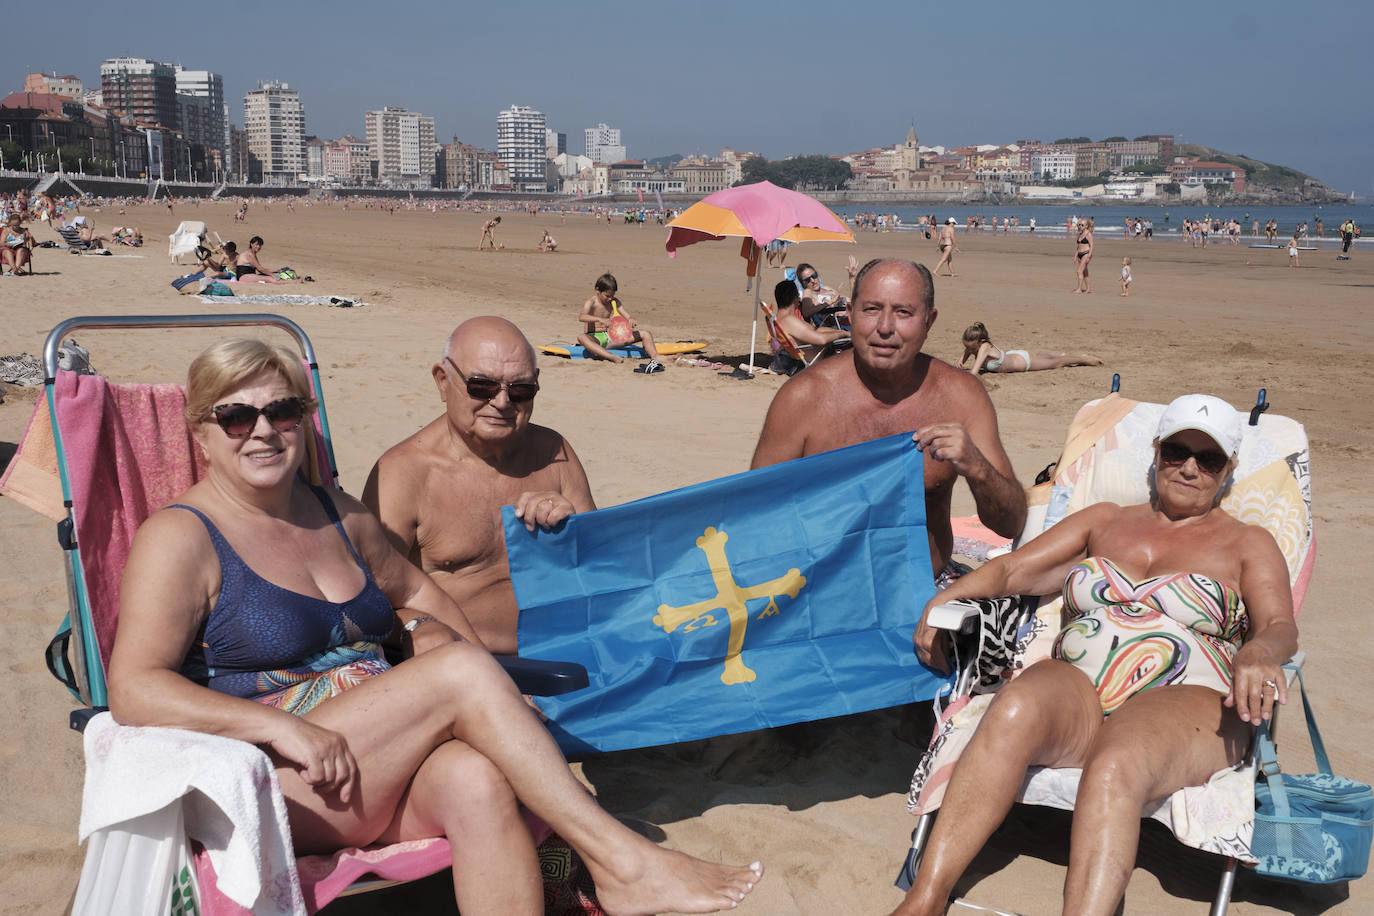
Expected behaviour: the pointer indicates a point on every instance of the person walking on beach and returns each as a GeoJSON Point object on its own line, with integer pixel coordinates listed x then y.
{"type": "Point", "coordinates": [1293, 248]}
{"type": "Point", "coordinates": [1347, 237]}
{"type": "Point", "coordinates": [1125, 276]}
{"type": "Point", "coordinates": [489, 233]}
{"type": "Point", "coordinates": [947, 248]}
{"type": "Point", "coordinates": [1082, 256]}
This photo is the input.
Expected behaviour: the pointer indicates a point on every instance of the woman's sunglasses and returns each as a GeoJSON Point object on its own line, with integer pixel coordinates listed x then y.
{"type": "Point", "coordinates": [239, 420]}
{"type": "Point", "coordinates": [1210, 460]}
{"type": "Point", "coordinates": [806, 280]}
{"type": "Point", "coordinates": [484, 389]}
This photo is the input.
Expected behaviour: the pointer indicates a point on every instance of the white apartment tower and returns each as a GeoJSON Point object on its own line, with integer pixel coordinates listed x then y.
{"type": "Point", "coordinates": [603, 144]}
{"type": "Point", "coordinates": [274, 125]}
{"type": "Point", "coordinates": [402, 144]}
{"type": "Point", "coordinates": [520, 144]}
{"type": "Point", "coordinates": [202, 84]}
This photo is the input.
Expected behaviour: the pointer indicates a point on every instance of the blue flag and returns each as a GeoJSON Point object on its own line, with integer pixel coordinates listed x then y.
{"type": "Point", "coordinates": [785, 594]}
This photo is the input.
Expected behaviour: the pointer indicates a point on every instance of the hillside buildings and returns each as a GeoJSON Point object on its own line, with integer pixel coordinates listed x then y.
{"type": "Point", "coordinates": [68, 87]}
{"type": "Point", "coordinates": [274, 131]}
{"type": "Point", "coordinates": [520, 147]}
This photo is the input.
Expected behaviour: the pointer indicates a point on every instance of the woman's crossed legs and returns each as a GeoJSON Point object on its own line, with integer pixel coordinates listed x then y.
{"type": "Point", "coordinates": [445, 744]}
{"type": "Point", "coordinates": [1159, 741]}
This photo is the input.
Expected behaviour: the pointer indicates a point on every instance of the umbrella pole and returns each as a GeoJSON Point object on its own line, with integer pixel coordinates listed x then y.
{"type": "Point", "coordinates": [757, 285]}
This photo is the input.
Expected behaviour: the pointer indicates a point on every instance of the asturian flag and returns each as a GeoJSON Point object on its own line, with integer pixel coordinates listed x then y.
{"type": "Point", "coordinates": [785, 594]}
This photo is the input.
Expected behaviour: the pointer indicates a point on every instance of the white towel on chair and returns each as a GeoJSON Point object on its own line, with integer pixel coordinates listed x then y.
{"type": "Point", "coordinates": [231, 797]}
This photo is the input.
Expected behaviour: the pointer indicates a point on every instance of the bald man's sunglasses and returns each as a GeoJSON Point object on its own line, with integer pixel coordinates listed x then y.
{"type": "Point", "coordinates": [484, 389]}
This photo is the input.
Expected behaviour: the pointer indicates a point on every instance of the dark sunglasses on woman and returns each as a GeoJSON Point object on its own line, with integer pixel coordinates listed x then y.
{"type": "Point", "coordinates": [1210, 460]}
{"type": "Point", "coordinates": [239, 420]}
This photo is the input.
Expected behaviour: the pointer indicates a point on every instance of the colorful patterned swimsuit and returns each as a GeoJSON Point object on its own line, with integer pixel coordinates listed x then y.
{"type": "Point", "coordinates": [1178, 628]}
{"type": "Point", "coordinates": [267, 643]}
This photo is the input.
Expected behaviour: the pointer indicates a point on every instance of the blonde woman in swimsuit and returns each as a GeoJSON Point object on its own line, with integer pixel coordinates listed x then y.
{"type": "Point", "coordinates": [1179, 619]}
{"type": "Point", "coordinates": [1082, 256]}
{"type": "Point", "coordinates": [989, 358]}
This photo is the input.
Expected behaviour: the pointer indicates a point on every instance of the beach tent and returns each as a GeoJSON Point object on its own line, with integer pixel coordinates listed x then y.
{"type": "Point", "coordinates": [184, 241]}
{"type": "Point", "coordinates": [759, 213]}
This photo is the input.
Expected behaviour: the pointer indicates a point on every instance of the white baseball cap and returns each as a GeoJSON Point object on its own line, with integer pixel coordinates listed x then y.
{"type": "Point", "coordinates": [1206, 414]}
{"type": "Point", "coordinates": [950, 220]}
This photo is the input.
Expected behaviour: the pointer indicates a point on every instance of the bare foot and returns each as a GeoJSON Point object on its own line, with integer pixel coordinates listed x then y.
{"type": "Point", "coordinates": [1091, 361]}
{"type": "Point", "coordinates": [668, 881]}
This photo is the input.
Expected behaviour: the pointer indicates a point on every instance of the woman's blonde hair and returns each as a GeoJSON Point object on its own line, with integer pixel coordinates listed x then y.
{"type": "Point", "coordinates": [227, 364]}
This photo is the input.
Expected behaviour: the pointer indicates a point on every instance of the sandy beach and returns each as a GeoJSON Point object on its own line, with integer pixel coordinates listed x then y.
{"type": "Point", "coordinates": [822, 804]}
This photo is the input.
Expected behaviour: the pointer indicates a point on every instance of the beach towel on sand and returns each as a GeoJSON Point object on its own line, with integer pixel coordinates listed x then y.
{"type": "Point", "coordinates": [343, 302]}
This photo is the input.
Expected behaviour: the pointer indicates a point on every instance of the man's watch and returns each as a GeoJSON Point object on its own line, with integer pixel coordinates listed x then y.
{"type": "Point", "coordinates": [414, 622]}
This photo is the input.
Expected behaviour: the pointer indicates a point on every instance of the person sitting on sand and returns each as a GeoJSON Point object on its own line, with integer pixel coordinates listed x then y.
{"type": "Point", "coordinates": [257, 578]}
{"type": "Point", "coordinates": [439, 493]}
{"type": "Point", "coordinates": [16, 244]}
{"type": "Point", "coordinates": [217, 268]}
{"type": "Point", "coordinates": [489, 233]}
{"type": "Point", "coordinates": [1177, 579]}
{"type": "Point", "coordinates": [989, 358]}
{"type": "Point", "coordinates": [248, 269]}
{"type": "Point", "coordinates": [547, 243]}
{"type": "Point", "coordinates": [884, 386]}
{"type": "Point", "coordinates": [803, 333]}
{"type": "Point", "coordinates": [596, 316]}
{"type": "Point", "coordinates": [86, 232]}
{"type": "Point", "coordinates": [131, 236]}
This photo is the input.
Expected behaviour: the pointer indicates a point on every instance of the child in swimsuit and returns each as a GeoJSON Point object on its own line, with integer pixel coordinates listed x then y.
{"type": "Point", "coordinates": [1125, 276]}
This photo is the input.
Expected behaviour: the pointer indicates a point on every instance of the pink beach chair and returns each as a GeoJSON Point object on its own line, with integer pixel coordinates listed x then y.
{"type": "Point", "coordinates": [112, 455]}
{"type": "Point", "coordinates": [1105, 458]}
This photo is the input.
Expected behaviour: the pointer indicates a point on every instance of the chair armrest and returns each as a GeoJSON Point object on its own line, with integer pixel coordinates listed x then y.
{"type": "Point", "coordinates": [80, 718]}
{"type": "Point", "coordinates": [958, 618]}
{"type": "Point", "coordinates": [541, 678]}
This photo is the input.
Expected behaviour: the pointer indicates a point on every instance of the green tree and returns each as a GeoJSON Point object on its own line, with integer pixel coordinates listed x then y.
{"type": "Point", "coordinates": [1115, 140]}
{"type": "Point", "coordinates": [1072, 140]}
{"type": "Point", "coordinates": [12, 153]}
{"type": "Point", "coordinates": [1149, 167]}
{"type": "Point", "coordinates": [74, 156]}
{"type": "Point", "coordinates": [1170, 187]}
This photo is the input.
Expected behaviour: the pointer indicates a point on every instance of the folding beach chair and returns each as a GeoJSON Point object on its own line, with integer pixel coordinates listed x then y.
{"type": "Point", "coordinates": [123, 452]}
{"type": "Point", "coordinates": [799, 352]}
{"type": "Point", "coordinates": [1106, 457]}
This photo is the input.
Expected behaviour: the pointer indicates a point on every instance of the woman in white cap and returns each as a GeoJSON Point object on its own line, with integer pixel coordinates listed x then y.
{"type": "Point", "coordinates": [1178, 620]}
{"type": "Point", "coordinates": [945, 240]}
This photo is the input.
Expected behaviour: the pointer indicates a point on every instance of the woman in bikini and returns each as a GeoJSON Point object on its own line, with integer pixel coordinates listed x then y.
{"type": "Point", "coordinates": [1179, 618]}
{"type": "Point", "coordinates": [989, 358]}
{"type": "Point", "coordinates": [1083, 255]}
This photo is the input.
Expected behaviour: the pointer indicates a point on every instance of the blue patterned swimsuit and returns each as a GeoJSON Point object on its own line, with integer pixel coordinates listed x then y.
{"type": "Point", "coordinates": [279, 647]}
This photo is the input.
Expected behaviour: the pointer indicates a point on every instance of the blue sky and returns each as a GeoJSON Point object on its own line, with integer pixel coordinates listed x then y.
{"type": "Point", "coordinates": [1283, 82]}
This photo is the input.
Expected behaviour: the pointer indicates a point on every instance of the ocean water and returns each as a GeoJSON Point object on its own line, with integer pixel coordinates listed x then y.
{"type": "Point", "coordinates": [1050, 219]}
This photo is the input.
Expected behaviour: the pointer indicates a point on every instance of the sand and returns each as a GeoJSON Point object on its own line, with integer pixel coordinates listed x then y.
{"type": "Point", "coordinates": [822, 804]}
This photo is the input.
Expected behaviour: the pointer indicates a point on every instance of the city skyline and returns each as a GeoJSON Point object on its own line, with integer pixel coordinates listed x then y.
{"type": "Point", "coordinates": [790, 83]}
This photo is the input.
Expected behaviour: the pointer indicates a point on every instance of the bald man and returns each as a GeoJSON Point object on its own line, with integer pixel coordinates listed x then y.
{"type": "Point", "coordinates": [439, 493]}
{"type": "Point", "coordinates": [885, 385]}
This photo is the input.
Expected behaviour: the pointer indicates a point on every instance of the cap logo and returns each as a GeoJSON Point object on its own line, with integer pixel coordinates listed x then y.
{"type": "Point", "coordinates": [1203, 410]}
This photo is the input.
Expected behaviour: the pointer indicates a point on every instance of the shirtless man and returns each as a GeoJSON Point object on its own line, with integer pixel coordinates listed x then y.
{"type": "Point", "coordinates": [947, 247]}
{"type": "Point", "coordinates": [802, 332]}
{"type": "Point", "coordinates": [885, 385]}
{"type": "Point", "coordinates": [439, 493]}
{"type": "Point", "coordinates": [489, 233]}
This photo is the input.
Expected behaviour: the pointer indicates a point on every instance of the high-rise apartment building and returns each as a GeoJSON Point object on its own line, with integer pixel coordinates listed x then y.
{"type": "Point", "coordinates": [141, 89]}
{"type": "Point", "coordinates": [555, 143]}
{"type": "Point", "coordinates": [603, 144]}
{"type": "Point", "coordinates": [213, 133]}
{"type": "Point", "coordinates": [402, 144]}
{"type": "Point", "coordinates": [274, 125]}
{"type": "Point", "coordinates": [520, 146]}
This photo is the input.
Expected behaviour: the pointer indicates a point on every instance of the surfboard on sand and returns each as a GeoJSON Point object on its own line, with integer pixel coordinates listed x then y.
{"type": "Point", "coordinates": [634, 351]}
{"type": "Point", "coordinates": [1266, 246]}
{"type": "Point", "coordinates": [1300, 247]}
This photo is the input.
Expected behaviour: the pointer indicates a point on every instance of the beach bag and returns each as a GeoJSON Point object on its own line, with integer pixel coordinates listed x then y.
{"type": "Point", "coordinates": [619, 332]}
{"type": "Point", "coordinates": [143, 865]}
{"type": "Point", "coordinates": [286, 273]}
{"type": "Point", "coordinates": [216, 288]}
{"type": "Point", "coordinates": [1313, 828]}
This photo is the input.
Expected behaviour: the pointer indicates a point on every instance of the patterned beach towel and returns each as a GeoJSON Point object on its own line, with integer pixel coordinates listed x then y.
{"type": "Point", "coordinates": [342, 302]}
